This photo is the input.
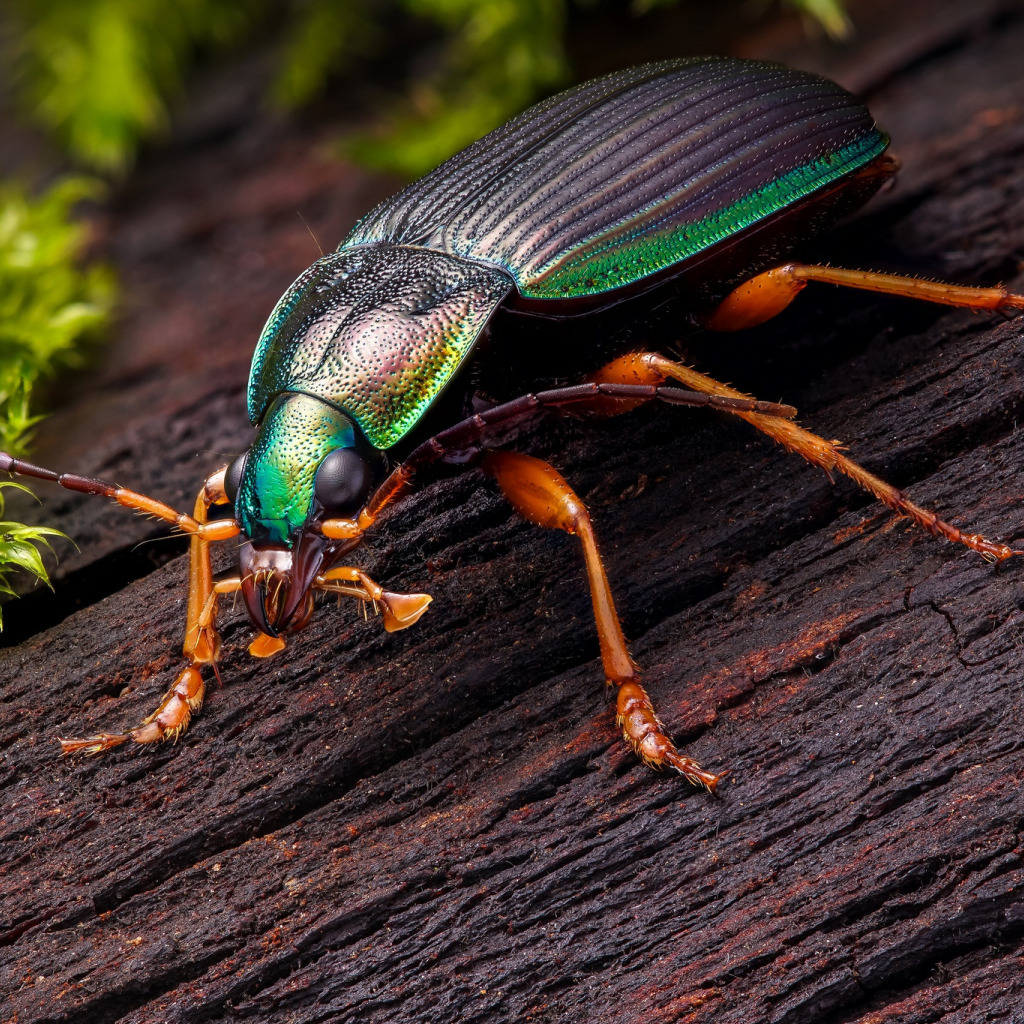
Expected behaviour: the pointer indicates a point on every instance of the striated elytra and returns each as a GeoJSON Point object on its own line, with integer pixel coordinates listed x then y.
{"type": "Point", "coordinates": [408, 346]}
{"type": "Point", "coordinates": [576, 203]}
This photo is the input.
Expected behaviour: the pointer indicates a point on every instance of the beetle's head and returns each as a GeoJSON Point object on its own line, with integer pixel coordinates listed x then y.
{"type": "Point", "coordinates": [307, 464]}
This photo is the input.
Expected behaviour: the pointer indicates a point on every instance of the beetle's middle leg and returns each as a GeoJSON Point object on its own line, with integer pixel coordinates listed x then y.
{"type": "Point", "coordinates": [649, 368]}
{"type": "Point", "coordinates": [539, 493]}
{"type": "Point", "coordinates": [201, 647]}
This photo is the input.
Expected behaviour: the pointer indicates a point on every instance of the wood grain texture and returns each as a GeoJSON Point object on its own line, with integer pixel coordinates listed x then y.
{"type": "Point", "coordinates": [442, 824]}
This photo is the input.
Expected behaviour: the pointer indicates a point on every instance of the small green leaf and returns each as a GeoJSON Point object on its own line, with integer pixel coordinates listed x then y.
{"type": "Point", "coordinates": [19, 548]}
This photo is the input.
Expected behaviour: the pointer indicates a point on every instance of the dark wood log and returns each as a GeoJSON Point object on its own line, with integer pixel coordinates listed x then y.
{"type": "Point", "coordinates": [442, 824]}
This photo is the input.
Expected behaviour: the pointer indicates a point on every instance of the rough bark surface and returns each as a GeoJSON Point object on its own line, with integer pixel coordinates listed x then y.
{"type": "Point", "coordinates": [442, 824]}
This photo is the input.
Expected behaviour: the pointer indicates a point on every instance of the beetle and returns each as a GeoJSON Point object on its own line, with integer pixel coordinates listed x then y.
{"type": "Point", "coordinates": [386, 356]}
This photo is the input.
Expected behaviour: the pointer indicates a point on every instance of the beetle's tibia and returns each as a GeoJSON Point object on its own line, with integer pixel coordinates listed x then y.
{"type": "Point", "coordinates": [539, 493]}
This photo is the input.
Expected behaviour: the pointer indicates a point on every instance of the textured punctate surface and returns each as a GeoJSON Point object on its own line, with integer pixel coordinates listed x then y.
{"type": "Point", "coordinates": [376, 331]}
{"type": "Point", "coordinates": [622, 177]}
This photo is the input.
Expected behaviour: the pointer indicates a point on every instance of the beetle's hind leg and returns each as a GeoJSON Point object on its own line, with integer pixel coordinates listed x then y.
{"type": "Point", "coordinates": [769, 293]}
{"type": "Point", "coordinates": [650, 368]}
{"type": "Point", "coordinates": [170, 719]}
{"type": "Point", "coordinates": [201, 647]}
{"type": "Point", "coordinates": [539, 493]}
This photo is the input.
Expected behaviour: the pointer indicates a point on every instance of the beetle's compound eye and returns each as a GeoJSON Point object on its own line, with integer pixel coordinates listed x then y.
{"type": "Point", "coordinates": [233, 477]}
{"type": "Point", "coordinates": [343, 482]}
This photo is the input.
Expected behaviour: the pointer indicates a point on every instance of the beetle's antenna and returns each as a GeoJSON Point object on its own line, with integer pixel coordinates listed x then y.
{"type": "Point", "coordinates": [170, 535]}
{"type": "Point", "coordinates": [316, 241]}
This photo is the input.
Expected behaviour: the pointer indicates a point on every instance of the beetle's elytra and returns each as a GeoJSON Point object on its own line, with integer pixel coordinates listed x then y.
{"type": "Point", "coordinates": [692, 175]}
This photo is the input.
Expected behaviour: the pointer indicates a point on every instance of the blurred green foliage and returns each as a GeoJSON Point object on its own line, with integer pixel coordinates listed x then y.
{"type": "Point", "coordinates": [100, 73]}
{"type": "Point", "coordinates": [830, 15]}
{"type": "Point", "coordinates": [48, 302]}
{"type": "Point", "coordinates": [499, 57]}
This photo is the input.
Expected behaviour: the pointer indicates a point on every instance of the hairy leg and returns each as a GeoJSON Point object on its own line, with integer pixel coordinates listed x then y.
{"type": "Point", "coordinates": [541, 495]}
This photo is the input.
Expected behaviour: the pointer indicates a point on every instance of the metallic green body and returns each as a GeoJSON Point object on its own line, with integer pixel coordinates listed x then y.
{"type": "Point", "coordinates": [377, 331]}
{"type": "Point", "coordinates": [275, 497]}
{"type": "Point", "coordinates": [591, 192]}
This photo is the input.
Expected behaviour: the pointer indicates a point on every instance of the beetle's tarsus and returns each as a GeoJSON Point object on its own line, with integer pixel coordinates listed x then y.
{"type": "Point", "coordinates": [169, 721]}
{"type": "Point", "coordinates": [91, 744]}
{"type": "Point", "coordinates": [399, 611]}
{"type": "Point", "coordinates": [644, 732]}
{"type": "Point", "coordinates": [264, 646]}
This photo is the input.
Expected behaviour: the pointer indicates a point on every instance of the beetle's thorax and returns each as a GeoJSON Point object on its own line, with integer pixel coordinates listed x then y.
{"type": "Point", "coordinates": [378, 331]}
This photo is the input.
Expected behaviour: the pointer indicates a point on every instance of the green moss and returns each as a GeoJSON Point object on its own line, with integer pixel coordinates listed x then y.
{"type": "Point", "coordinates": [48, 303]}
{"type": "Point", "coordinates": [99, 73]}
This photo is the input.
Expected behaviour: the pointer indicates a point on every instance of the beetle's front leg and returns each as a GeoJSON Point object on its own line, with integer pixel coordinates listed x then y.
{"type": "Point", "coordinates": [202, 641]}
{"type": "Point", "coordinates": [399, 610]}
{"type": "Point", "coordinates": [539, 493]}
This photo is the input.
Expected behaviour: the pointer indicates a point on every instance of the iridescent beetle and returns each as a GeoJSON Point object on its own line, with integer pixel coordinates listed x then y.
{"type": "Point", "coordinates": [699, 172]}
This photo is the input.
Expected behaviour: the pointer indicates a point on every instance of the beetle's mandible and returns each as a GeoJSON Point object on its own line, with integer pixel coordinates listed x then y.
{"type": "Point", "coordinates": [385, 356]}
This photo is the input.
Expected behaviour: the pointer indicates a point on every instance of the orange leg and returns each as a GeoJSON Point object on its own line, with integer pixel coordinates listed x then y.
{"type": "Point", "coordinates": [399, 610]}
{"type": "Point", "coordinates": [768, 294]}
{"type": "Point", "coordinates": [540, 494]}
{"type": "Point", "coordinates": [202, 642]}
{"type": "Point", "coordinates": [649, 367]}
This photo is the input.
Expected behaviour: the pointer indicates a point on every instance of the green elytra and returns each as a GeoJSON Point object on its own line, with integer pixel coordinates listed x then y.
{"type": "Point", "coordinates": [624, 256]}
{"type": "Point", "coordinates": [585, 194]}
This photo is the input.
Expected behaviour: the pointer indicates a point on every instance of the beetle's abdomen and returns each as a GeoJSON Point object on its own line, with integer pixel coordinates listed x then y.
{"type": "Point", "coordinates": [627, 175]}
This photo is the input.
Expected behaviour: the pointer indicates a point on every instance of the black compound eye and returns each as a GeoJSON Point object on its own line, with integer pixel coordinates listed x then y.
{"type": "Point", "coordinates": [233, 477]}
{"type": "Point", "coordinates": [343, 482]}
